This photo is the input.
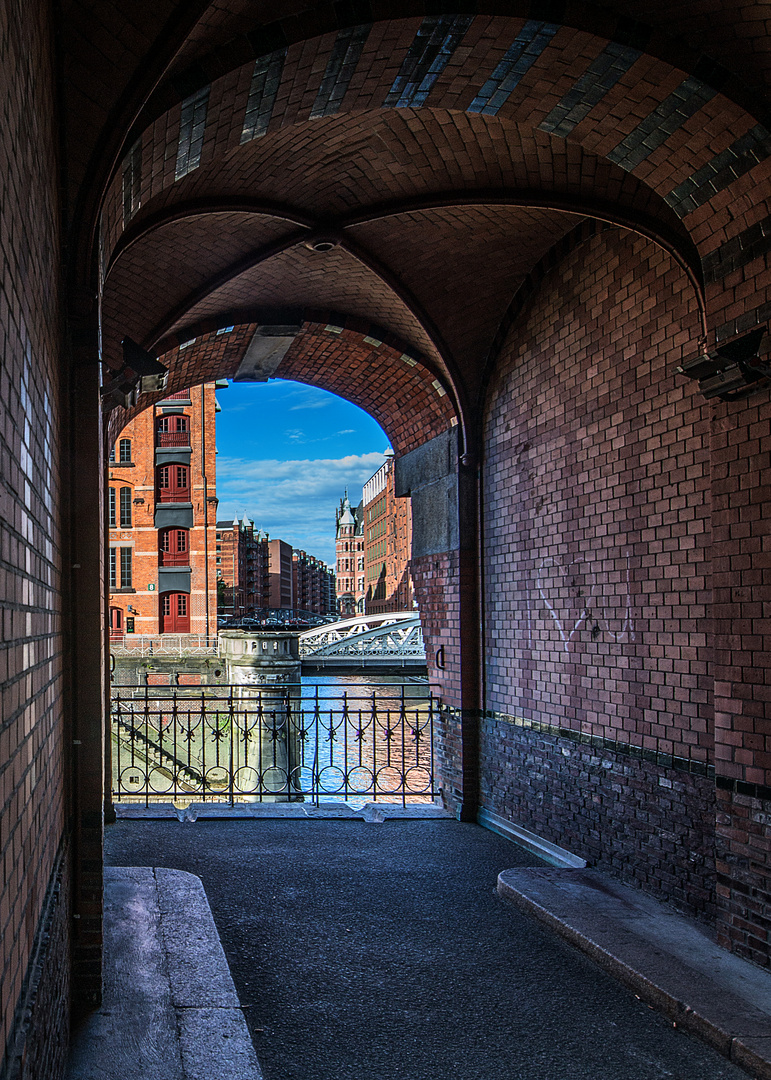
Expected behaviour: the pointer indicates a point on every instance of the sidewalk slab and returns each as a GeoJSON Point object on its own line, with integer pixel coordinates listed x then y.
{"type": "Point", "coordinates": [669, 960]}
{"type": "Point", "coordinates": [170, 1010]}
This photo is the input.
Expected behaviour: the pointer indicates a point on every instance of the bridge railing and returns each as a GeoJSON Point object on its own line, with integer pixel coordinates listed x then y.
{"type": "Point", "coordinates": [280, 743]}
{"type": "Point", "coordinates": [395, 634]}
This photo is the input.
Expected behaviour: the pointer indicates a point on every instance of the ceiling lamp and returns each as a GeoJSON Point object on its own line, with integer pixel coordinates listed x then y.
{"type": "Point", "coordinates": [731, 371]}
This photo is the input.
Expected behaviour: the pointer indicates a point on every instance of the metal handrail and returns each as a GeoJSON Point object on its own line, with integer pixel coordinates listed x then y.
{"type": "Point", "coordinates": [282, 742]}
{"type": "Point", "coordinates": [172, 438]}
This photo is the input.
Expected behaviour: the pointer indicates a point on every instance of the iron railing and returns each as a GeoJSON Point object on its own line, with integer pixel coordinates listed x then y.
{"type": "Point", "coordinates": [279, 743]}
{"type": "Point", "coordinates": [173, 558]}
{"type": "Point", "coordinates": [122, 644]}
{"type": "Point", "coordinates": [172, 438]}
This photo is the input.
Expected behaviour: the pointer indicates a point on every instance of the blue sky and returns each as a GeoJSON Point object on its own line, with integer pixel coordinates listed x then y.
{"type": "Point", "coordinates": [286, 453]}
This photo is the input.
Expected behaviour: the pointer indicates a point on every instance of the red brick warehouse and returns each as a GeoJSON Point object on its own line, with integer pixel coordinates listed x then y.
{"type": "Point", "coordinates": [535, 247]}
{"type": "Point", "coordinates": [161, 514]}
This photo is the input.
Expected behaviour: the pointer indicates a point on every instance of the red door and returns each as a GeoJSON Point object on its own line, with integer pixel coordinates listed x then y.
{"type": "Point", "coordinates": [175, 613]}
{"type": "Point", "coordinates": [173, 547]}
{"type": "Point", "coordinates": [173, 483]}
{"type": "Point", "coordinates": [116, 622]}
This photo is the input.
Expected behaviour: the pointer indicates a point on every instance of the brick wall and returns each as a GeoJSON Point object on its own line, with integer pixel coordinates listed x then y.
{"type": "Point", "coordinates": [649, 824]}
{"type": "Point", "coordinates": [39, 1048]}
{"type": "Point", "coordinates": [435, 579]}
{"type": "Point", "coordinates": [32, 744]}
{"type": "Point", "coordinates": [597, 591]}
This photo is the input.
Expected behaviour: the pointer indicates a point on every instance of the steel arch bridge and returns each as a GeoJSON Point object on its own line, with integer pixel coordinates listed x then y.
{"type": "Point", "coordinates": [393, 638]}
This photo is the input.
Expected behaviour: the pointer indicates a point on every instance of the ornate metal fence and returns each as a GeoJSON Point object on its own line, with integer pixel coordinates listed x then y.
{"type": "Point", "coordinates": [273, 744]}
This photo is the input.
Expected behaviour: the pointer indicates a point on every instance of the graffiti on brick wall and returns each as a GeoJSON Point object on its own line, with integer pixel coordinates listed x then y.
{"type": "Point", "coordinates": [569, 591]}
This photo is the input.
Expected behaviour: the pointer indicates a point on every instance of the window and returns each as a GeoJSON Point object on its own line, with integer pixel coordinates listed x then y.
{"type": "Point", "coordinates": [124, 450]}
{"type": "Point", "coordinates": [125, 507]}
{"type": "Point", "coordinates": [172, 431]}
{"type": "Point", "coordinates": [125, 568]}
{"type": "Point", "coordinates": [112, 454]}
{"type": "Point", "coordinates": [112, 518]}
{"type": "Point", "coordinates": [173, 483]}
{"type": "Point", "coordinates": [173, 547]}
{"type": "Point", "coordinates": [113, 570]}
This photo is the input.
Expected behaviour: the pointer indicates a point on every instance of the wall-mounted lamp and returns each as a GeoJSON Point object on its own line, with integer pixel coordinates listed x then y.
{"type": "Point", "coordinates": [731, 371]}
{"type": "Point", "coordinates": [140, 374]}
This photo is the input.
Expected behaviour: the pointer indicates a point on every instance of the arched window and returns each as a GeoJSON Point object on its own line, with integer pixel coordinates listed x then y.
{"type": "Point", "coordinates": [125, 507]}
{"type": "Point", "coordinates": [173, 483]}
{"type": "Point", "coordinates": [124, 450]}
{"type": "Point", "coordinates": [112, 512]}
{"type": "Point", "coordinates": [173, 547]}
{"type": "Point", "coordinates": [172, 431]}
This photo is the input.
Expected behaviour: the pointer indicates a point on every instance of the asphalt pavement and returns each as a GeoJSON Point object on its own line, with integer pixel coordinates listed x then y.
{"type": "Point", "coordinates": [382, 951]}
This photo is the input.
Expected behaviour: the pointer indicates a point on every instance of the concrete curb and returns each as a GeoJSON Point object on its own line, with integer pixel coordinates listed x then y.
{"type": "Point", "coordinates": [170, 1010]}
{"type": "Point", "coordinates": [665, 958]}
{"type": "Point", "coordinates": [371, 812]}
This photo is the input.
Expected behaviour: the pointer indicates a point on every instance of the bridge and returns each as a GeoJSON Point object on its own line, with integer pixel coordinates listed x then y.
{"type": "Point", "coordinates": [391, 640]}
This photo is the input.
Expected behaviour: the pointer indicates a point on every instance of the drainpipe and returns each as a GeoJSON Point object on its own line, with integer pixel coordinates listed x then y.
{"type": "Point", "coordinates": [205, 509]}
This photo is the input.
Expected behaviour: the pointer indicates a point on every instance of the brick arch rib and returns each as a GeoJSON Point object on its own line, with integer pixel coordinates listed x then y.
{"type": "Point", "coordinates": [347, 356]}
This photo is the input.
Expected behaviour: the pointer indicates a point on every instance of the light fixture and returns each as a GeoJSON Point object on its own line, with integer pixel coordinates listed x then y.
{"type": "Point", "coordinates": [731, 371]}
{"type": "Point", "coordinates": [140, 374]}
{"type": "Point", "coordinates": [322, 243]}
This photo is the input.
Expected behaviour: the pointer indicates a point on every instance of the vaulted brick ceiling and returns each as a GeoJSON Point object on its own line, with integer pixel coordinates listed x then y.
{"type": "Point", "coordinates": [439, 158]}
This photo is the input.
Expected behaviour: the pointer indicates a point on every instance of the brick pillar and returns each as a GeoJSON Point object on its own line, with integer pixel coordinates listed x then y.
{"type": "Point", "coordinates": [469, 634]}
{"type": "Point", "coordinates": [443, 490]}
{"type": "Point", "coordinates": [88, 686]}
{"type": "Point", "coordinates": [741, 602]}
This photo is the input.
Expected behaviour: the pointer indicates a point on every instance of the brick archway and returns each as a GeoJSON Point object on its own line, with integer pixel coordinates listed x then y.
{"type": "Point", "coordinates": [432, 178]}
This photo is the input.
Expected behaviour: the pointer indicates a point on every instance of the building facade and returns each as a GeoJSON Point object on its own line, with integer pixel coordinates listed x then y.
{"type": "Point", "coordinates": [373, 543]}
{"type": "Point", "coordinates": [161, 512]}
{"type": "Point", "coordinates": [255, 573]}
{"type": "Point", "coordinates": [350, 558]}
{"type": "Point", "coordinates": [387, 544]}
{"type": "Point", "coordinates": [313, 583]}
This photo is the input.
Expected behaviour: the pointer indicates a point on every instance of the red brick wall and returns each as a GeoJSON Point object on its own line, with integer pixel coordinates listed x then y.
{"type": "Point", "coordinates": [435, 579]}
{"type": "Point", "coordinates": [32, 738]}
{"type": "Point", "coordinates": [598, 572]}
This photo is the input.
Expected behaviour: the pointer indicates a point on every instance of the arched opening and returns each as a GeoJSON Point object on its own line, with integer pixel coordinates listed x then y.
{"type": "Point", "coordinates": [537, 243]}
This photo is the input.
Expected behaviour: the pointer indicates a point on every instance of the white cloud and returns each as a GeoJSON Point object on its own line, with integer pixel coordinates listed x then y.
{"type": "Point", "coordinates": [309, 405]}
{"type": "Point", "coordinates": [293, 500]}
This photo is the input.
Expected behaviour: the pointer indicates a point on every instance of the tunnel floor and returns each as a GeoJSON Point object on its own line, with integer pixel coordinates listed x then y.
{"type": "Point", "coordinates": [382, 951]}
